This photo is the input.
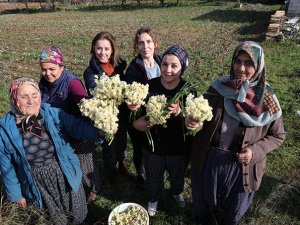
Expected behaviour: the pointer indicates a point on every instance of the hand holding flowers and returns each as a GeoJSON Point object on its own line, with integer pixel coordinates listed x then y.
{"type": "Point", "coordinates": [197, 110]}
{"type": "Point", "coordinates": [174, 108]}
{"type": "Point", "coordinates": [135, 95]}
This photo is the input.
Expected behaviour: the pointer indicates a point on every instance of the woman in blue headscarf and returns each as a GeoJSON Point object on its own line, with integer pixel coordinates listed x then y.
{"type": "Point", "coordinates": [229, 153]}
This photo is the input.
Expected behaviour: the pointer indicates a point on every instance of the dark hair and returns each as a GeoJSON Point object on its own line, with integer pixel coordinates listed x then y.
{"type": "Point", "coordinates": [148, 31]}
{"type": "Point", "coordinates": [107, 36]}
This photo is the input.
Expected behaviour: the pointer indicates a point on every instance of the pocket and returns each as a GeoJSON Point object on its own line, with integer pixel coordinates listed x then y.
{"type": "Point", "coordinates": [259, 170]}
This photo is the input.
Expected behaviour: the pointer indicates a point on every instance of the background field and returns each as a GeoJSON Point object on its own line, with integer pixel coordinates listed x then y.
{"type": "Point", "coordinates": [210, 34]}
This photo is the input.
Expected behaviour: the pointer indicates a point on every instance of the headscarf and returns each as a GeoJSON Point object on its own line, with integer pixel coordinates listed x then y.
{"type": "Point", "coordinates": [51, 54]}
{"type": "Point", "coordinates": [251, 102]}
{"type": "Point", "coordinates": [181, 54]}
{"type": "Point", "coordinates": [27, 123]}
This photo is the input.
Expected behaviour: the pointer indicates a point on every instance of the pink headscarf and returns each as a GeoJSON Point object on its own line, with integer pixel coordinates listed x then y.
{"type": "Point", "coordinates": [13, 93]}
{"type": "Point", "coordinates": [51, 54]}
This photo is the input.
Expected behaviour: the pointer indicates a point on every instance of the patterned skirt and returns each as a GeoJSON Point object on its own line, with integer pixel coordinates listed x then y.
{"type": "Point", "coordinates": [64, 205]}
{"type": "Point", "coordinates": [86, 152]}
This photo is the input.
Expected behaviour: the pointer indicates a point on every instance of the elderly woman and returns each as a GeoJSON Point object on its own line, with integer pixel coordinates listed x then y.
{"type": "Point", "coordinates": [37, 164]}
{"type": "Point", "coordinates": [62, 89]}
{"type": "Point", "coordinates": [229, 153]}
{"type": "Point", "coordinates": [170, 148]}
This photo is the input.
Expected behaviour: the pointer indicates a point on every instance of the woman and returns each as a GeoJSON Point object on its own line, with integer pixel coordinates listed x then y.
{"type": "Point", "coordinates": [145, 66]}
{"type": "Point", "coordinates": [37, 164]}
{"type": "Point", "coordinates": [105, 59]}
{"type": "Point", "coordinates": [229, 153]}
{"type": "Point", "coordinates": [62, 89]}
{"type": "Point", "coordinates": [170, 145]}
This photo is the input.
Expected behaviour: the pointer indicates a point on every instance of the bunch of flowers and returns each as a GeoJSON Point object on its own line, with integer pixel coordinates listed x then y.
{"type": "Point", "coordinates": [136, 93]}
{"type": "Point", "coordinates": [110, 88]}
{"type": "Point", "coordinates": [156, 112]}
{"type": "Point", "coordinates": [198, 109]}
{"type": "Point", "coordinates": [102, 109]}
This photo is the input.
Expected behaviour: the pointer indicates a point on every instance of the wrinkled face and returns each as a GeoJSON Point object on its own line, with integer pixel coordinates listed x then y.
{"type": "Point", "coordinates": [103, 50]}
{"type": "Point", "coordinates": [51, 72]}
{"type": "Point", "coordinates": [243, 67]}
{"type": "Point", "coordinates": [170, 69]}
{"type": "Point", "coordinates": [28, 100]}
{"type": "Point", "coordinates": [145, 46]}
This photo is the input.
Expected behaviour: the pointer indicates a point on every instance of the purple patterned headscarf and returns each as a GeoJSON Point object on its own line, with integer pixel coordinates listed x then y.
{"type": "Point", "coordinates": [52, 54]}
{"type": "Point", "coordinates": [180, 53]}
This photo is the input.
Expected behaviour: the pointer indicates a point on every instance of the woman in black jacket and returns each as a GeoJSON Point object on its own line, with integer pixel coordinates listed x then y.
{"type": "Point", "coordinates": [105, 59]}
{"type": "Point", "coordinates": [145, 66]}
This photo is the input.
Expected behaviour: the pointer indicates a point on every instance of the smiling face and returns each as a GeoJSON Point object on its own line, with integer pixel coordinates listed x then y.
{"type": "Point", "coordinates": [103, 50]}
{"type": "Point", "coordinates": [145, 46]}
{"type": "Point", "coordinates": [51, 71]}
{"type": "Point", "coordinates": [170, 70]}
{"type": "Point", "coordinates": [243, 67]}
{"type": "Point", "coordinates": [28, 99]}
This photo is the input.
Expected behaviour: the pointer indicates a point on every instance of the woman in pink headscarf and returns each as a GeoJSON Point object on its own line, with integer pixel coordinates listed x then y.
{"type": "Point", "coordinates": [37, 164]}
{"type": "Point", "coordinates": [62, 89]}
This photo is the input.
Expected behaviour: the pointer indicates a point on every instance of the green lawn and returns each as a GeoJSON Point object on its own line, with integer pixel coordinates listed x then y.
{"type": "Point", "coordinates": [210, 34]}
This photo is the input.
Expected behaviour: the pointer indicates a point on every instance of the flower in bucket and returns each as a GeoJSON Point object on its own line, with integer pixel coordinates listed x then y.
{"type": "Point", "coordinates": [198, 109]}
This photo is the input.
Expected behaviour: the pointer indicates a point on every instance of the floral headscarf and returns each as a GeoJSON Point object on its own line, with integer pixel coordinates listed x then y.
{"type": "Point", "coordinates": [180, 53]}
{"type": "Point", "coordinates": [251, 102]}
{"type": "Point", "coordinates": [27, 123]}
{"type": "Point", "coordinates": [51, 54]}
{"type": "Point", "coordinates": [13, 93]}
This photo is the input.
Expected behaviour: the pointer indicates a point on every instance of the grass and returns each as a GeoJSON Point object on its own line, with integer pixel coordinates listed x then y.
{"type": "Point", "coordinates": [210, 34]}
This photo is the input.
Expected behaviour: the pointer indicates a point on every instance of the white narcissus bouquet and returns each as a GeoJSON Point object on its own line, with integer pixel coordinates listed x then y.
{"type": "Point", "coordinates": [103, 113]}
{"type": "Point", "coordinates": [109, 88]}
{"type": "Point", "coordinates": [102, 109]}
{"type": "Point", "coordinates": [156, 112]}
{"type": "Point", "coordinates": [136, 93]}
{"type": "Point", "coordinates": [198, 109]}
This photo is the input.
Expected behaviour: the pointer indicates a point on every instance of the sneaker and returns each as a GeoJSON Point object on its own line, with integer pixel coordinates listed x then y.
{"type": "Point", "coordinates": [152, 206]}
{"type": "Point", "coordinates": [180, 200]}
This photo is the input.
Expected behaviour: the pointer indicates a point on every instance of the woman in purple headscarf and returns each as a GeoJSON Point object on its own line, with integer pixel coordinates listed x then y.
{"type": "Point", "coordinates": [170, 146]}
{"type": "Point", "coordinates": [229, 153]}
{"type": "Point", "coordinates": [62, 89]}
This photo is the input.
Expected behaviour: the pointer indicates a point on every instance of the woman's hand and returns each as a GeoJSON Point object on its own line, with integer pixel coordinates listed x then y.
{"type": "Point", "coordinates": [192, 124]}
{"type": "Point", "coordinates": [141, 124]}
{"type": "Point", "coordinates": [134, 107]}
{"type": "Point", "coordinates": [245, 156]}
{"type": "Point", "coordinates": [174, 109]}
{"type": "Point", "coordinates": [22, 202]}
{"type": "Point", "coordinates": [101, 133]}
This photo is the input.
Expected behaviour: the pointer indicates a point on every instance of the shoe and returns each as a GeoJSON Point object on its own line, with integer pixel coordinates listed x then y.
{"type": "Point", "coordinates": [124, 170]}
{"type": "Point", "coordinates": [152, 206]}
{"type": "Point", "coordinates": [180, 200]}
{"type": "Point", "coordinates": [92, 197]}
{"type": "Point", "coordinates": [141, 182]}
